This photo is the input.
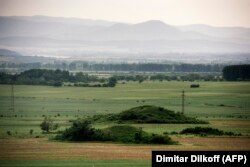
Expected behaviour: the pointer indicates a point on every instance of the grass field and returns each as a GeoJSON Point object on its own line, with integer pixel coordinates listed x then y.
{"type": "Point", "coordinates": [76, 163]}
{"type": "Point", "coordinates": [213, 99]}
{"type": "Point", "coordinates": [224, 104]}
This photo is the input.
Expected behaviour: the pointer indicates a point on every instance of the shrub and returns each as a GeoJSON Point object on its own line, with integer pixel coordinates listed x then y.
{"type": "Point", "coordinates": [174, 133]}
{"type": "Point", "coordinates": [204, 131]}
{"type": "Point", "coordinates": [48, 124]}
{"type": "Point", "coordinates": [201, 131]}
{"type": "Point", "coordinates": [194, 86]}
{"type": "Point", "coordinates": [9, 133]}
{"type": "Point", "coordinates": [31, 131]}
{"type": "Point", "coordinates": [130, 134]}
{"type": "Point", "coordinates": [124, 133]}
{"type": "Point", "coordinates": [112, 82]}
{"type": "Point", "coordinates": [57, 84]}
{"type": "Point", "coordinates": [159, 139]}
{"type": "Point", "coordinates": [81, 130]}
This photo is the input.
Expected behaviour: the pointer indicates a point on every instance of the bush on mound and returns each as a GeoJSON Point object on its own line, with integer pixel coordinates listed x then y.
{"type": "Point", "coordinates": [130, 134]}
{"type": "Point", "coordinates": [148, 114]}
{"type": "Point", "coordinates": [124, 133]}
{"type": "Point", "coordinates": [82, 131]}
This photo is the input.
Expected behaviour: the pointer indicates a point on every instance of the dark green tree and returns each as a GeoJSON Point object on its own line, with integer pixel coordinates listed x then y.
{"type": "Point", "coordinates": [48, 125]}
{"type": "Point", "coordinates": [236, 72]}
{"type": "Point", "coordinates": [112, 82]}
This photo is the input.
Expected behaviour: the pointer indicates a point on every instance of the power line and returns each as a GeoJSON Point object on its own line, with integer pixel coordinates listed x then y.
{"type": "Point", "coordinates": [183, 102]}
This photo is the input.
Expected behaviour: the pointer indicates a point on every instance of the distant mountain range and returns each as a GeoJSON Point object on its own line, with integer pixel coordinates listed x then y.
{"type": "Point", "coordinates": [5, 52]}
{"type": "Point", "coordinates": [56, 36]}
{"type": "Point", "coordinates": [8, 56]}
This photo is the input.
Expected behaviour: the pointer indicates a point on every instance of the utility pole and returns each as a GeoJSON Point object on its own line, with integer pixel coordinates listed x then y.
{"type": "Point", "coordinates": [12, 100]}
{"type": "Point", "coordinates": [183, 102]}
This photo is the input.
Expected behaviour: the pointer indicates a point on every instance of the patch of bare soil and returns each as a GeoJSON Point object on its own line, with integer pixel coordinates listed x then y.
{"type": "Point", "coordinates": [41, 149]}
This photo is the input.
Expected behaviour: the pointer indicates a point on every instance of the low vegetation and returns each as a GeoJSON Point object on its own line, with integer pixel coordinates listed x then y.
{"type": "Point", "coordinates": [130, 134]}
{"type": "Point", "coordinates": [55, 78]}
{"type": "Point", "coordinates": [204, 131]}
{"type": "Point", "coordinates": [125, 67]}
{"type": "Point", "coordinates": [237, 72]}
{"type": "Point", "coordinates": [148, 114]}
{"type": "Point", "coordinates": [47, 125]}
{"type": "Point", "coordinates": [81, 130]}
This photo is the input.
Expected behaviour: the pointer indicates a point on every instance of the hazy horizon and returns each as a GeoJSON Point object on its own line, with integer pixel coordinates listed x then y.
{"type": "Point", "coordinates": [217, 26]}
{"type": "Point", "coordinates": [219, 13]}
{"type": "Point", "coordinates": [155, 30]}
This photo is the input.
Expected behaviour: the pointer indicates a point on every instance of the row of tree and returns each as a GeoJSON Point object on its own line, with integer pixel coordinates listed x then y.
{"type": "Point", "coordinates": [52, 77]}
{"type": "Point", "coordinates": [237, 72]}
{"type": "Point", "coordinates": [58, 77]}
{"type": "Point", "coordinates": [147, 67]}
{"type": "Point", "coordinates": [165, 77]}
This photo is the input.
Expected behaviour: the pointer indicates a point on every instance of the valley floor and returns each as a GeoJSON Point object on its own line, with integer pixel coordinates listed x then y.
{"type": "Point", "coordinates": [224, 104]}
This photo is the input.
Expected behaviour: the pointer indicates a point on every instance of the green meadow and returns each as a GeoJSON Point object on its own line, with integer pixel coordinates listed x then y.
{"type": "Point", "coordinates": [212, 101]}
{"type": "Point", "coordinates": [224, 104]}
{"type": "Point", "coordinates": [75, 163]}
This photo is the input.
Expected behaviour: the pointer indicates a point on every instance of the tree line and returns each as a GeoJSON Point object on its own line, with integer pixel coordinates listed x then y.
{"type": "Point", "coordinates": [80, 79]}
{"type": "Point", "coordinates": [58, 77]}
{"type": "Point", "coordinates": [237, 72]}
{"type": "Point", "coordinates": [169, 77]}
{"type": "Point", "coordinates": [136, 67]}
{"type": "Point", "coordinates": [54, 78]}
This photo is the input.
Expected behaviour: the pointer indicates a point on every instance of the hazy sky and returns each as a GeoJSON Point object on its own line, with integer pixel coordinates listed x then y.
{"type": "Point", "coordinates": [177, 12]}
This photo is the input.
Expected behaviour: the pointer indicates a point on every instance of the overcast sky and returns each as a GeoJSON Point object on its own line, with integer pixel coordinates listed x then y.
{"type": "Point", "coordinates": [176, 12]}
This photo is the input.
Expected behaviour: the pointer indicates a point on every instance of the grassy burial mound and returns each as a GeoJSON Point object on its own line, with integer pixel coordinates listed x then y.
{"type": "Point", "coordinates": [81, 130]}
{"type": "Point", "coordinates": [148, 114]}
{"type": "Point", "coordinates": [153, 114]}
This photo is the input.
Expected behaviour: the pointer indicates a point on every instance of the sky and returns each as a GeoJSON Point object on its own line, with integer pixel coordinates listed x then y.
{"type": "Point", "coordinates": [175, 12]}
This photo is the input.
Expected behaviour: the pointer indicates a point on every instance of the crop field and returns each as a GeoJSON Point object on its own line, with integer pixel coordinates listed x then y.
{"type": "Point", "coordinates": [224, 104]}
